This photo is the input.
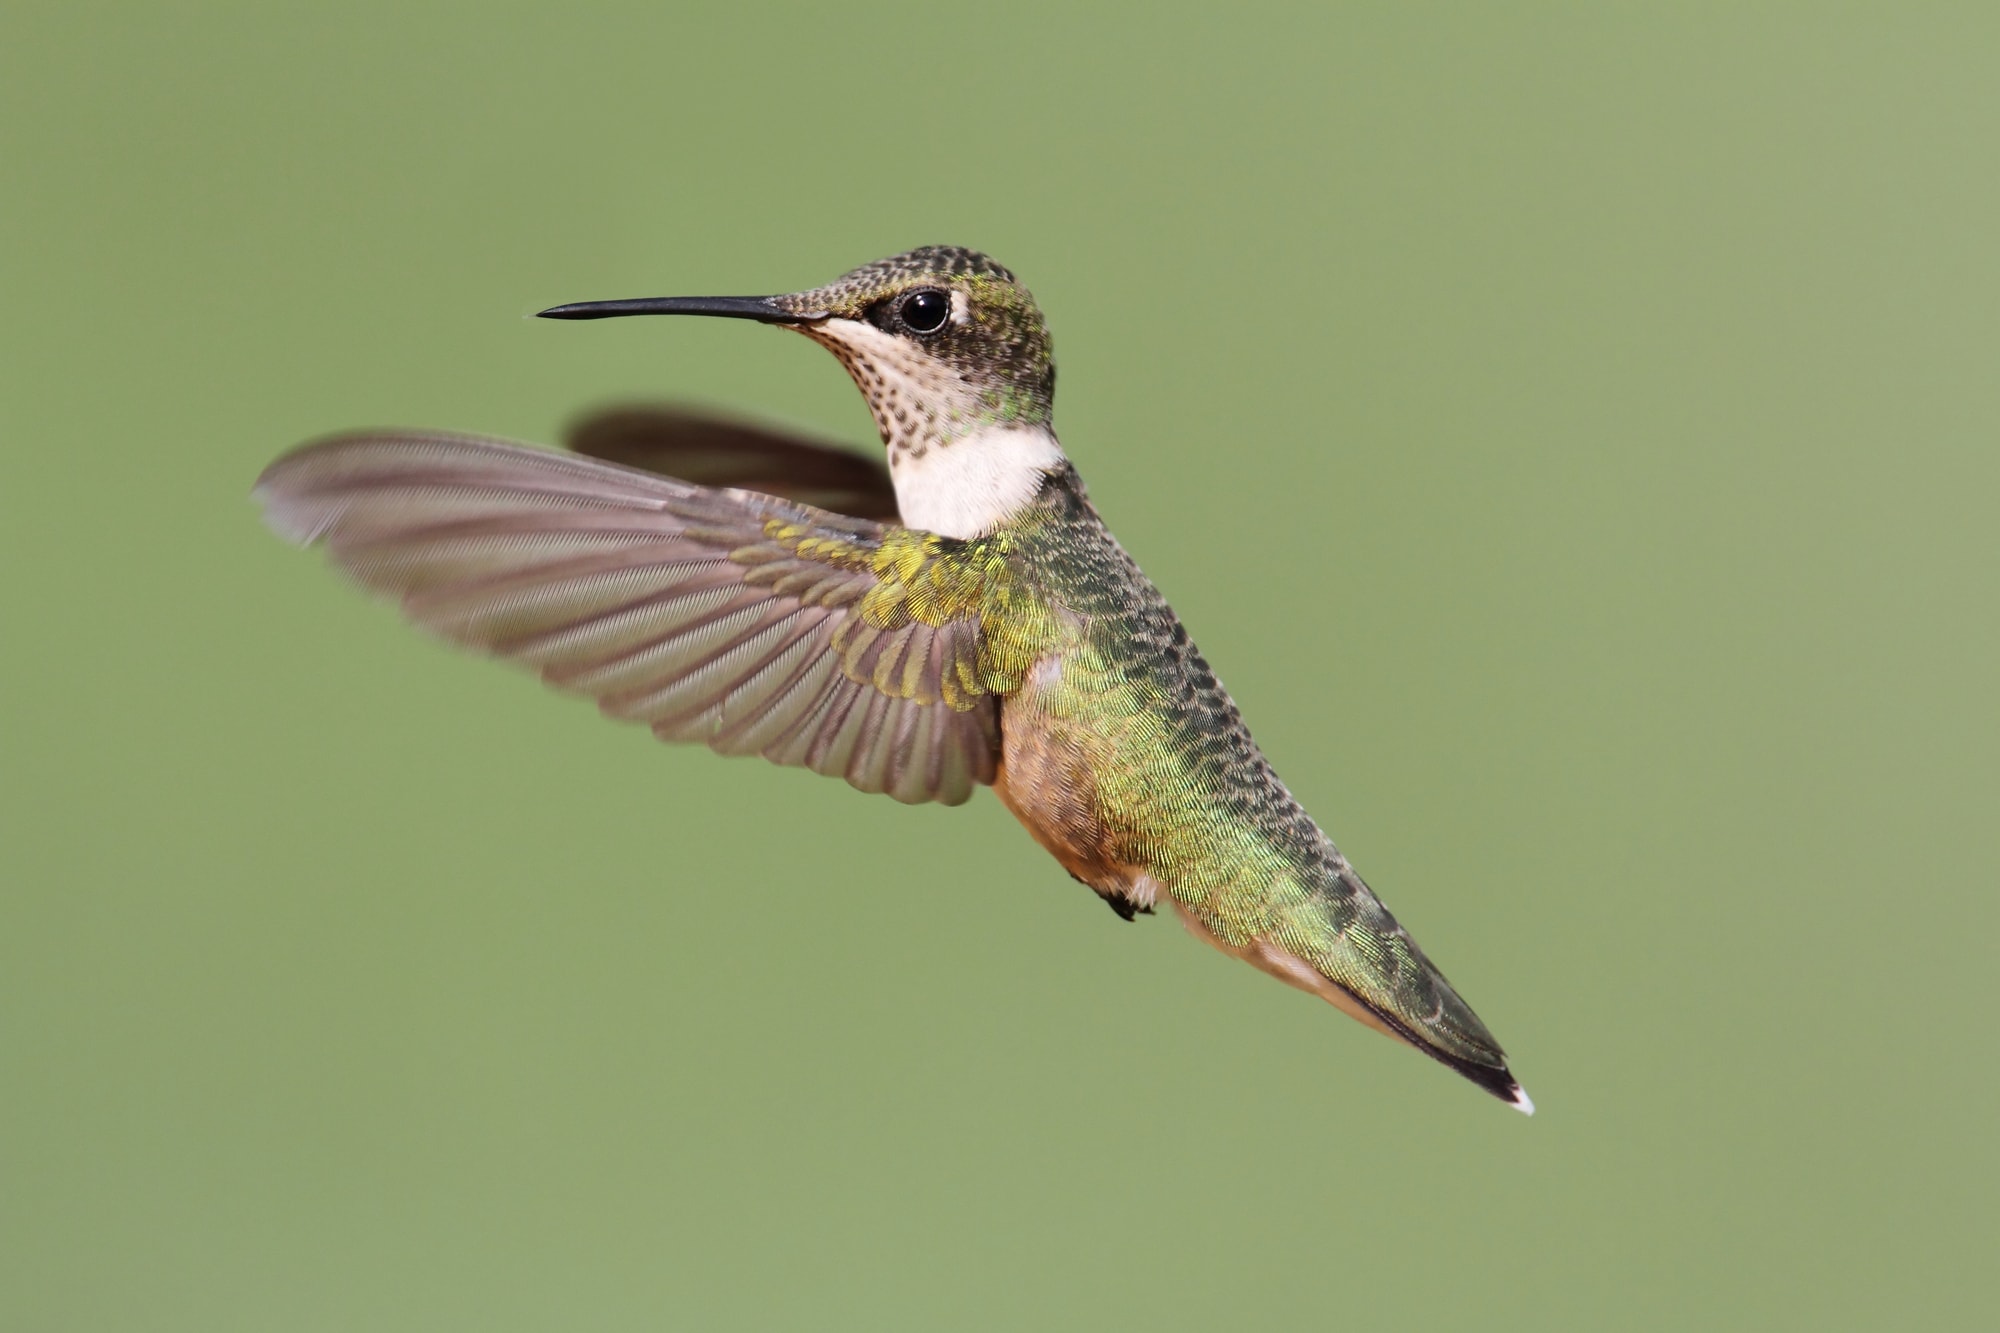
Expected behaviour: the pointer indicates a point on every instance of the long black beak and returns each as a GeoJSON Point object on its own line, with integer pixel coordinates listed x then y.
{"type": "Point", "coordinates": [760, 308]}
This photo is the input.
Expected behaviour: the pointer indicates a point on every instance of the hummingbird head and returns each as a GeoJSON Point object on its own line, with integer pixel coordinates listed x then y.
{"type": "Point", "coordinates": [954, 358]}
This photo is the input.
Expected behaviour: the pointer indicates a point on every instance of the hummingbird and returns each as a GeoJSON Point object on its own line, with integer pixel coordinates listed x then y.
{"type": "Point", "coordinates": [955, 616]}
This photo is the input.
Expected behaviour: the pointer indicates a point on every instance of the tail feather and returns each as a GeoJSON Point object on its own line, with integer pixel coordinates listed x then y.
{"type": "Point", "coordinates": [1495, 1078]}
{"type": "Point", "coordinates": [1336, 940]}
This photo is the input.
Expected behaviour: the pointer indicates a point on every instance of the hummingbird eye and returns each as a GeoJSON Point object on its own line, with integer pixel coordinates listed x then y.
{"type": "Point", "coordinates": [924, 311]}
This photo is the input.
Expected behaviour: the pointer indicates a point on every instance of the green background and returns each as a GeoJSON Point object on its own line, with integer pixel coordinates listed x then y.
{"type": "Point", "coordinates": [1570, 432]}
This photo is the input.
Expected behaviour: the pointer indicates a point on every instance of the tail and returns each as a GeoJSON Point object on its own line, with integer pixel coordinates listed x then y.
{"type": "Point", "coordinates": [1488, 1069]}
{"type": "Point", "coordinates": [1334, 938]}
{"type": "Point", "coordinates": [1360, 950]}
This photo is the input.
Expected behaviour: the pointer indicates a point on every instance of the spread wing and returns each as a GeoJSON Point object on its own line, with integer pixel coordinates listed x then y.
{"type": "Point", "coordinates": [750, 623]}
{"type": "Point", "coordinates": [708, 450]}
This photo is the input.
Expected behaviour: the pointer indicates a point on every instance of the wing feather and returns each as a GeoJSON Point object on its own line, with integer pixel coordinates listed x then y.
{"type": "Point", "coordinates": [746, 622]}
{"type": "Point", "coordinates": [676, 440]}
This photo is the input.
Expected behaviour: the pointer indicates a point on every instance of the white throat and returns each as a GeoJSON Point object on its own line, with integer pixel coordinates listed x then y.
{"type": "Point", "coordinates": [969, 487]}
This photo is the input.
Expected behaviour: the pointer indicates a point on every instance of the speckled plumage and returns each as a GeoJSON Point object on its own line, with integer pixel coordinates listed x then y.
{"type": "Point", "coordinates": [1026, 650]}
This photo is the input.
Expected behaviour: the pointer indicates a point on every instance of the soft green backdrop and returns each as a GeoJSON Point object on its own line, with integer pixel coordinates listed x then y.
{"type": "Point", "coordinates": [1571, 434]}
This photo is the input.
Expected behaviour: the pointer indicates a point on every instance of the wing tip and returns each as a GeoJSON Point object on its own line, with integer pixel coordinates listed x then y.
{"type": "Point", "coordinates": [281, 513]}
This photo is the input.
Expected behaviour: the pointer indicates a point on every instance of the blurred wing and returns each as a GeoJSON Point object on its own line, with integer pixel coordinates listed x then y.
{"type": "Point", "coordinates": [722, 616]}
{"type": "Point", "coordinates": [709, 450]}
